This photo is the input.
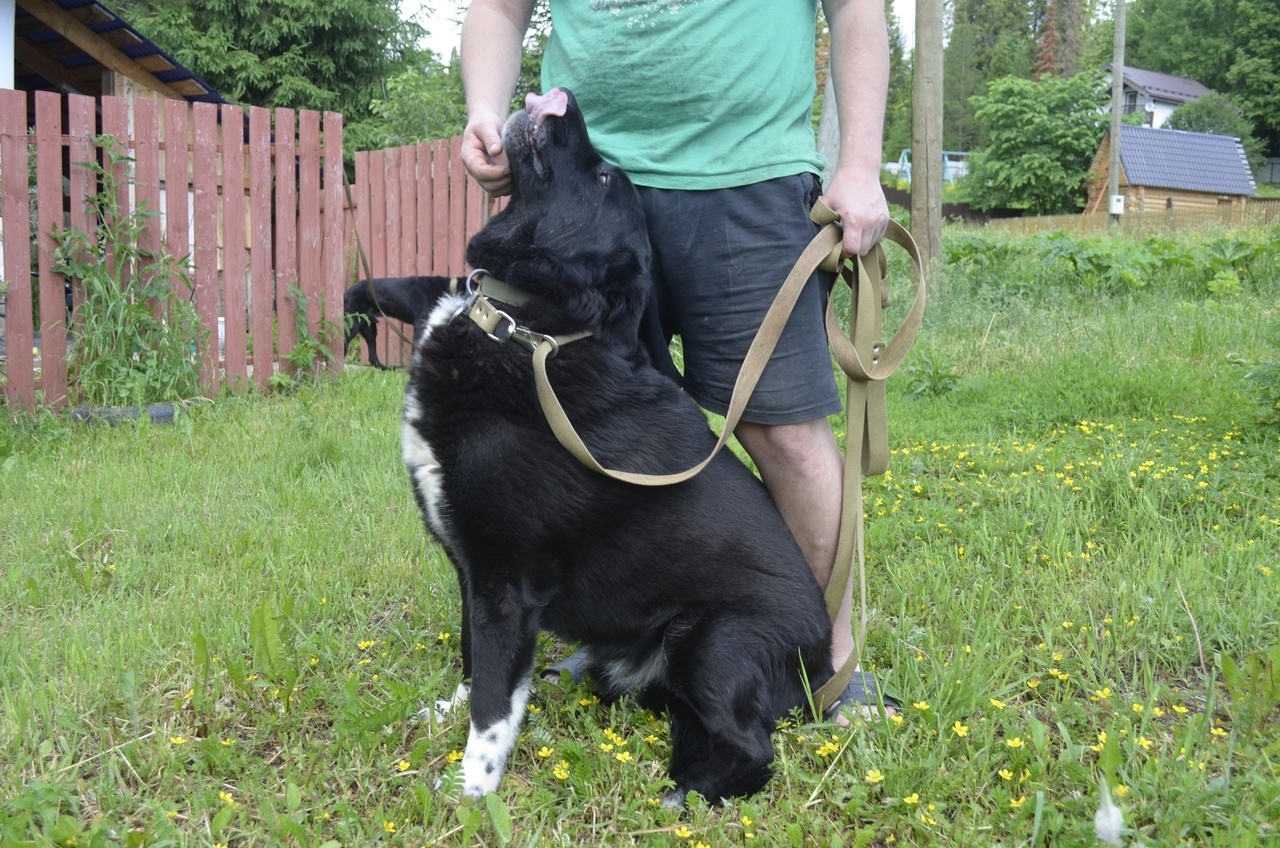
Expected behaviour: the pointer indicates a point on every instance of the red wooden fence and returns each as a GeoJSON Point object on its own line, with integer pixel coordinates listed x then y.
{"type": "Point", "coordinates": [261, 218]}
{"type": "Point", "coordinates": [415, 208]}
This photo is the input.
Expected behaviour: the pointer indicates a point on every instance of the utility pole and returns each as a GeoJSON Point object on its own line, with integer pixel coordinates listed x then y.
{"type": "Point", "coordinates": [1114, 198]}
{"type": "Point", "coordinates": [926, 136]}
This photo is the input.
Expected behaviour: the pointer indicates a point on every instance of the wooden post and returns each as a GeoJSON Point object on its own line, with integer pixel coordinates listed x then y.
{"type": "Point", "coordinates": [926, 136]}
{"type": "Point", "coordinates": [1117, 109]}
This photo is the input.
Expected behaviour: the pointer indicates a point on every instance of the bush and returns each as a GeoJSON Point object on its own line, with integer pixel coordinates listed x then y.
{"type": "Point", "coordinates": [136, 341]}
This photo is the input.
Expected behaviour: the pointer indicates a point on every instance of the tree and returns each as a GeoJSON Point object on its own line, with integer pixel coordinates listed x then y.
{"type": "Point", "coordinates": [1254, 75]}
{"type": "Point", "coordinates": [1042, 136]}
{"type": "Point", "coordinates": [897, 117]}
{"type": "Point", "coordinates": [1216, 114]}
{"type": "Point", "coordinates": [304, 54]}
{"type": "Point", "coordinates": [1188, 38]}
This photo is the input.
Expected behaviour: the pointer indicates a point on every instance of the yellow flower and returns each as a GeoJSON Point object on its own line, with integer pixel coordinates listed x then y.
{"type": "Point", "coordinates": [746, 821]}
{"type": "Point", "coordinates": [683, 832]}
{"type": "Point", "coordinates": [1033, 682]}
{"type": "Point", "coordinates": [897, 718]}
{"type": "Point", "coordinates": [651, 739]}
{"type": "Point", "coordinates": [453, 756]}
{"type": "Point", "coordinates": [1017, 802]}
{"type": "Point", "coordinates": [1157, 712]}
{"type": "Point", "coordinates": [443, 636]}
{"type": "Point", "coordinates": [1137, 708]}
{"type": "Point", "coordinates": [177, 740]}
{"type": "Point", "coordinates": [228, 742]}
{"type": "Point", "coordinates": [1145, 743]}
{"type": "Point", "coordinates": [1218, 731]}
{"type": "Point", "coordinates": [1180, 710]}
{"type": "Point", "coordinates": [828, 749]}
{"type": "Point", "coordinates": [1100, 694]}
{"type": "Point", "coordinates": [913, 798]}
{"type": "Point", "coordinates": [606, 747]}
{"type": "Point", "coordinates": [1015, 742]}
{"type": "Point", "coordinates": [561, 770]}
{"type": "Point", "coordinates": [959, 729]}
{"type": "Point", "coordinates": [623, 756]}
{"type": "Point", "coordinates": [1005, 774]}
{"type": "Point", "coordinates": [874, 776]}
{"type": "Point", "coordinates": [1122, 791]}
{"type": "Point", "coordinates": [998, 704]}
{"type": "Point", "coordinates": [366, 645]}
{"type": "Point", "coordinates": [227, 798]}
{"type": "Point", "coordinates": [403, 765]}
{"type": "Point", "coordinates": [389, 826]}
{"type": "Point", "coordinates": [545, 752]}
{"type": "Point", "coordinates": [920, 705]}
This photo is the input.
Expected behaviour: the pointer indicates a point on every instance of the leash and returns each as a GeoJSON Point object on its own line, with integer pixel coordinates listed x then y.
{"type": "Point", "coordinates": [865, 358]}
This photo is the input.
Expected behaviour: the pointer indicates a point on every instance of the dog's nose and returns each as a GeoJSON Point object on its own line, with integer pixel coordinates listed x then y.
{"type": "Point", "coordinates": [554, 103]}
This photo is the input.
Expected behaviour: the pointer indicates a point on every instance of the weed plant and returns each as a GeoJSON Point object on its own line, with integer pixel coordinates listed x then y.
{"type": "Point", "coordinates": [219, 633]}
{"type": "Point", "coordinates": [134, 340]}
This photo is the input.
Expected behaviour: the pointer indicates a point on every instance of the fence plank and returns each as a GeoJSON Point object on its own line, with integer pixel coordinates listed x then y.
{"type": "Point", "coordinates": [286, 220]}
{"type": "Point", "coordinates": [409, 189]}
{"type": "Point", "coordinates": [234, 307]}
{"type": "Point", "coordinates": [392, 212]}
{"type": "Point", "coordinates": [440, 207]}
{"type": "Point", "coordinates": [261, 279]}
{"type": "Point", "coordinates": [477, 206]}
{"type": "Point", "coordinates": [358, 224]}
{"type": "Point", "coordinates": [204, 179]}
{"type": "Point", "coordinates": [53, 309]}
{"type": "Point", "coordinates": [177, 190]}
{"type": "Point", "coordinates": [309, 234]}
{"type": "Point", "coordinates": [115, 123]}
{"type": "Point", "coordinates": [15, 210]}
{"type": "Point", "coordinates": [146, 176]}
{"type": "Point", "coordinates": [334, 256]}
{"type": "Point", "coordinates": [82, 119]}
{"type": "Point", "coordinates": [425, 228]}
{"type": "Point", "coordinates": [376, 246]}
{"type": "Point", "coordinates": [457, 208]}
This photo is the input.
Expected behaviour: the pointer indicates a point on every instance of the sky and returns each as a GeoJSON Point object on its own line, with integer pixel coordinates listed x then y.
{"type": "Point", "coordinates": [443, 31]}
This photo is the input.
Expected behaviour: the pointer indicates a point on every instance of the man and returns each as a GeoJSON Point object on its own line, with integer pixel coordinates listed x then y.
{"type": "Point", "coordinates": [706, 104]}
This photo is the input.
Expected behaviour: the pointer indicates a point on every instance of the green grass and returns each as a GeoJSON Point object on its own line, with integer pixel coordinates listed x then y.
{"type": "Point", "coordinates": [214, 633]}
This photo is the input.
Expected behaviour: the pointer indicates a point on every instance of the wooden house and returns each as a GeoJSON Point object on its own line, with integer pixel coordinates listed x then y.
{"type": "Point", "coordinates": [1172, 169]}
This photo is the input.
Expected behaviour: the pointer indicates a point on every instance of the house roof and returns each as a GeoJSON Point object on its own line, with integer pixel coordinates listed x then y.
{"type": "Point", "coordinates": [1187, 161]}
{"type": "Point", "coordinates": [1166, 87]}
{"type": "Point", "coordinates": [65, 45]}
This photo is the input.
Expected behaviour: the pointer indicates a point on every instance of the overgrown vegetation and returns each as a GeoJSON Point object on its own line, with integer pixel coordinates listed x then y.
{"type": "Point", "coordinates": [215, 633]}
{"type": "Point", "coordinates": [136, 341]}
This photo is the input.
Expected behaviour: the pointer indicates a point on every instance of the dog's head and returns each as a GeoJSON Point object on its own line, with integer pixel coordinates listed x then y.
{"type": "Point", "coordinates": [573, 233]}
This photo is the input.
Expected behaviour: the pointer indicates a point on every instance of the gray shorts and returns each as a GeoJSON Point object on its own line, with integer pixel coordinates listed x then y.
{"type": "Point", "coordinates": [720, 257]}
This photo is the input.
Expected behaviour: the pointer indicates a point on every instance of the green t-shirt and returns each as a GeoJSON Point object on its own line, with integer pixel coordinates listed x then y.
{"type": "Point", "coordinates": [693, 94]}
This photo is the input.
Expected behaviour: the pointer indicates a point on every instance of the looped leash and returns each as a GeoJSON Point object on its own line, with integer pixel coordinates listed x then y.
{"type": "Point", "coordinates": [867, 361]}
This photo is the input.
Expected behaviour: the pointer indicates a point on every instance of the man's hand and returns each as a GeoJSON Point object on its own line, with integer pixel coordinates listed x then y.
{"type": "Point", "coordinates": [483, 155]}
{"type": "Point", "coordinates": [859, 201]}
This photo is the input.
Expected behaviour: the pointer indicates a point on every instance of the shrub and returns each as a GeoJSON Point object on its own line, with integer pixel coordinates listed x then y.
{"type": "Point", "coordinates": [136, 341]}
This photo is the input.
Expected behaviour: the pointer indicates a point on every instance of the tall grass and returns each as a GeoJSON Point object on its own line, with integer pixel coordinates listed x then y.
{"type": "Point", "coordinates": [215, 633]}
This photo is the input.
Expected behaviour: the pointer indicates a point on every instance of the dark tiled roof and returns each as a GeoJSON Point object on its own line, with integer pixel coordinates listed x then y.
{"type": "Point", "coordinates": [1184, 160]}
{"type": "Point", "coordinates": [1164, 87]}
{"type": "Point", "coordinates": [49, 52]}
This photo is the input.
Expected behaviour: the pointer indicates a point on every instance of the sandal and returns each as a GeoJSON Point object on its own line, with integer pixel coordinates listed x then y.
{"type": "Point", "coordinates": [573, 665]}
{"type": "Point", "coordinates": [864, 692]}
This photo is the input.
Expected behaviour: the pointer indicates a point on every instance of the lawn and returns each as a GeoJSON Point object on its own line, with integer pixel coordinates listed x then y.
{"type": "Point", "coordinates": [217, 632]}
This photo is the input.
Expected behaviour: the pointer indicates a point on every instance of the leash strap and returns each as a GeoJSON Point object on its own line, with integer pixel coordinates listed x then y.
{"type": "Point", "coordinates": [866, 416]}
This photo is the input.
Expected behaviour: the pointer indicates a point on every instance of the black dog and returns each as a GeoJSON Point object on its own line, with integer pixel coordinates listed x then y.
{"type": "Point", "coordinates": [406, 299]}
{"type": "Point", "coordinates": [694, 594]}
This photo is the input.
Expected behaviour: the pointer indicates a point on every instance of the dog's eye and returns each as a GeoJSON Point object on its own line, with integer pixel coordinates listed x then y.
{"type": "Point", "coordinates": [603, 176]}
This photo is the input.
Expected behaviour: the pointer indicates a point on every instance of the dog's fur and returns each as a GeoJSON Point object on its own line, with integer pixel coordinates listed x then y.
{"type": "Point", "coordinates": [406, 299]}
{"type": "Point", "coordinates": [695, 594]}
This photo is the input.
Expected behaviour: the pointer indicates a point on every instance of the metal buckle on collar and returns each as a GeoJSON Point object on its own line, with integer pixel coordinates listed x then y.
{"type": "Point", "coordinates": [473, 294]}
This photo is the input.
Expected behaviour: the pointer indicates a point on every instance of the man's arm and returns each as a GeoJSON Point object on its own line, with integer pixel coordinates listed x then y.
{"type": "Point", "coordinates": [860, 78]}
{"type": "Point", "coordinates": [492, 35]}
